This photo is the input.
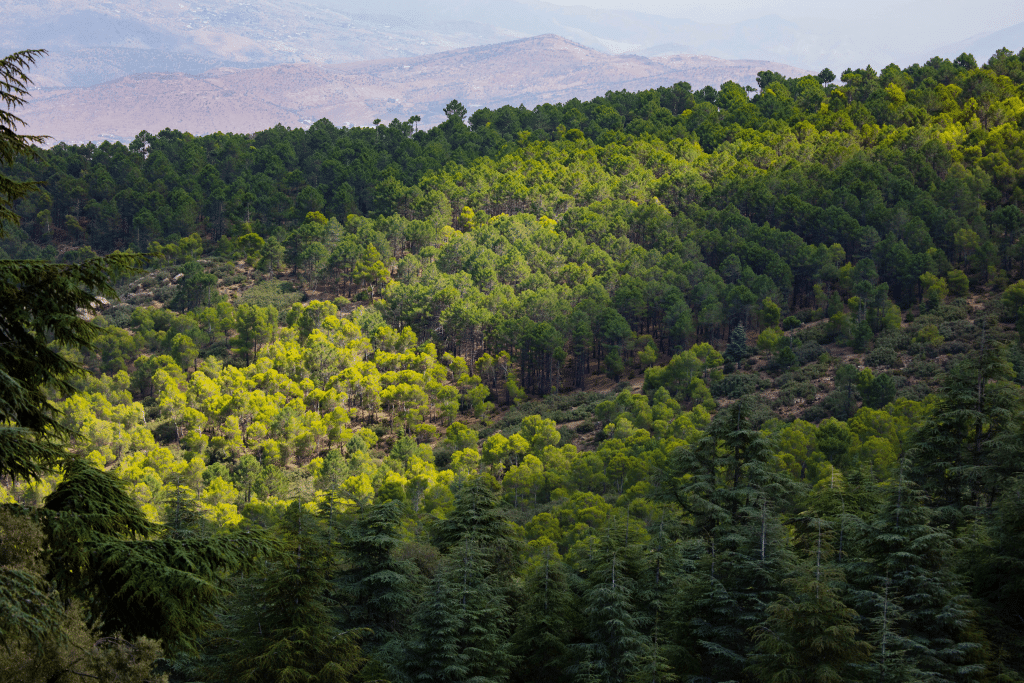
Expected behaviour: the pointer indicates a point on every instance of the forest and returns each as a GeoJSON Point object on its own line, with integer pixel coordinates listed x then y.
{"type": "Point", "coordinates": [674, 385]}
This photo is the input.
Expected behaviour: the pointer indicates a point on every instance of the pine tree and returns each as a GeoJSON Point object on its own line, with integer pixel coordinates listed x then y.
{"type": "Point", "coordinates": [884, 630]}
{"type": "Point", "coordinates": [46, 638]}
{"type": "Point", "coordinates": [435, 649]}
{"type": "Point", "coordinates": [810, 634]}
{"type": "Point", "coordinates": [135, 578]}
{"type": "Point", "coordinates": [615, 646]}
{"type": "Point", "coordinates": [657, 586]}
{"type": "Point", "coordinates": [281, 626]}
{"type": "Point", "coordinates": [465, 623]}
{"type": "Point", "coordinates": [726, 482]}
{"type": "Point", "coordinates": [908, 564]}
{"type": "Point", "coordinates": [40, 306]}
{"type": "Point", "coordinates": [377, 591]}
{"type": "Point", "coordinates": [999, 576]}
{"type": "Point", "coordinates": [970, 445]}
{"type": "Point", "coordinates": [14, 84]}
{"type": "Point", "coordinates": [99, 546]}
{"type": "Point", "coordinates": [461, 631]}
{"type": "Point", "coordinates": [479, 517]}
{"type": "Point", "coordinates": [550, 622]}
{"type": "Point", "coordinates": [378, 587]}
{"type": "Point", "coordinates": [736, 350]}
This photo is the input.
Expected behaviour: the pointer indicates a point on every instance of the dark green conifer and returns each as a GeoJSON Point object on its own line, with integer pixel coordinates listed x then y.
{"type": "Point", "coordinates": [970, 445]}
{"type": "Point", "coordinates": [737, 350]}
{"type": "Point", "coordinates": [809, 634]}
{"type": "Point", "coordinates": [280, 627]}
{"type": "Point", "coordinates": [135, 577]}
{"type": "Point", "coordinates": [999, 576]}
{"type": "Point", "coordinates": [909, 563]}
{"type": "Point", "coordinates": [478, 516]}
{"type": "Point", "coordinates": [727, 482]}
{"type": "Point", "coordinates": [377, 590]}
{"type": "Point", "coordinates": [615, 646]}
{"type": "Point", "coordinates": [461, 631]}
{"type": "Point", "coordinates": [657, 587]}
{"type": "Point", "coordinates": [550, 621]}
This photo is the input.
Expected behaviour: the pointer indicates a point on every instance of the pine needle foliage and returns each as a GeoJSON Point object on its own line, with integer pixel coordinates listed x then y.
{"type": "Point", "coordinates": [550, 623]}
{"type": "Point", "coordinates": [616, 646]}
{"type": "Point", "coordinates": [41, 307]}
{"type": "Point", "coordinates": [28, 610]}
{"type": "Point", "coordinates": [999, 575]}
{"type": "Point", "coordinates": [137, 578]}
{"type": "Point", "coordinates": [909, 558]}
{"type": "Point", "coordinates": [478, 515]}
{"type": "Point", "coordinates": [281, 626]}
{"type": "Point", "coordinates": [77, 652]}
{"type": "Point", "coordinates": [971, 444]}
{"type": "Point", "coordinates": [461, 632]}
{"type": "Point", "coordinates": [100, 548]}
{"type": "Point", "coordinates": [435, 647]}
{"type": "Point", "coordinates": [377, 588]}
{"type": "Point", "coordinates": [14, 83]}
{"type": "Point", "coordinates": [810, 635]}
{"type": "Point", "coordinates": [726, 480]}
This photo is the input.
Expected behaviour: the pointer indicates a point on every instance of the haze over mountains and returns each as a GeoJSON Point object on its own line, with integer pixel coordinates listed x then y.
{"type": "Point", "coordinates": [201, 50]}
{"type": "Point", "coordinates": [528, 71]}
{"type": "Point", "coordinates": [93, 41]}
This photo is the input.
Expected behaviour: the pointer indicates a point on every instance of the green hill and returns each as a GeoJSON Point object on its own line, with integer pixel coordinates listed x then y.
{"type": "Point", "coordinates": [673, 385]}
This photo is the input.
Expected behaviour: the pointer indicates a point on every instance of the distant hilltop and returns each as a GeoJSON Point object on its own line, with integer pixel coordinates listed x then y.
{"type": "Point", "coordinates": [528, 71]}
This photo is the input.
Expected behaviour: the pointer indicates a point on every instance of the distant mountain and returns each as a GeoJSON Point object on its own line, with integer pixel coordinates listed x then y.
{"type": "Point", "coordinates": [528, 71]}
{"type": "Point", "coordinates": [984, 46]}
{"type": "Point", "coordinates": [94, 41]}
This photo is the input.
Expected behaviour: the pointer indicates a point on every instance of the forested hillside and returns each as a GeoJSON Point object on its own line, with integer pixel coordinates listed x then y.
{"type": "Point", "coordinates": [669, 385]}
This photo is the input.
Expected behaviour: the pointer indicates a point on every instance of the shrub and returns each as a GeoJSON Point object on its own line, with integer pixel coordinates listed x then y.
{"type": "Point", "coordinates": [954, 311]}
{"type": "Point", "coordinates": [922, 368]}
{"type": "Point", "coordinates": [277, 293]}
{"type": "Point", "coordinates": [120, 315]}
{"type": "Point", "coordinates": [884, 357]}
{"type": "Point", "coordinates": [786, 397]}
{"type": "Point", "coordinates": [738, 385]}
{"type": "Point", "coordinates": [896, 339]}
{"type": "Point", "coordinates": [914, 392]}
{"type": "Point", "coordinates": [163, 293]}
{"type": "Point", "coordinates": [954, 347]}
{"type": "Point", "coordinates": [815, 413]}
{"type": "Point", "coordinates": [958, 283]}
{"type": "Point", "coordinates": [791, 323]}
{"type": "Point", "coordinates": [808, 352]}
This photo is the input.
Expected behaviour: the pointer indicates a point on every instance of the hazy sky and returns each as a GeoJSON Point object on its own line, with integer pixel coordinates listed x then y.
{"type": "Point", "coordinates": [862, 30]}
{"type": "Point", "coordinates": [929, 15]}
{"type": "Point", "coordinates": [811, 33]}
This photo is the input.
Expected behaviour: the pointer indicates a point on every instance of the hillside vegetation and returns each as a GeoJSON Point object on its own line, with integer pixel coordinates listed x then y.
{"type": "Point", "coordinates": [669, 385]}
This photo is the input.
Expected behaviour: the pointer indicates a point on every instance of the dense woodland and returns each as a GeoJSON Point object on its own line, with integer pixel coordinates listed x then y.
{"type": "Point", "coordinates": [691, 386]}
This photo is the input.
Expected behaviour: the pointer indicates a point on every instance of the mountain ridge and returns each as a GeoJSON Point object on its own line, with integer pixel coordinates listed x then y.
{"type": "Point", "coordinates": [526, 71]}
